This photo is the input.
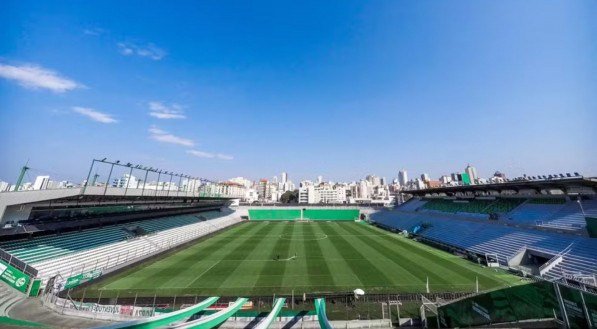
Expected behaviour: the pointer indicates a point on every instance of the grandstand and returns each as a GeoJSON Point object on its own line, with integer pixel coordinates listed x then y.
{"type": "Point", "coordinates": [108, 247]}
{"type": "Point", "coordinates": [543, 235]}
{"type": "Point", "coordinates": [557, 212]}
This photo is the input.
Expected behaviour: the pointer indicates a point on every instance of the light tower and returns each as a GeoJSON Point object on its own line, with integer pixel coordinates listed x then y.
{"type": "Point", "coordinates": [21, 176]}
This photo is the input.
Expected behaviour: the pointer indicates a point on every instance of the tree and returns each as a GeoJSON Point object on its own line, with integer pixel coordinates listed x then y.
{"type": "Point", "coordinates": [289, 197]}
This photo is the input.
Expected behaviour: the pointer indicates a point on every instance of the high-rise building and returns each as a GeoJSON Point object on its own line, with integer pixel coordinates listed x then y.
{"type": "Point", "coordinates": [41, 182]}
{"type": "Point", "coordinates": [241, 180]}
{"type": "Point", "coordinates": [284, 177]}
{"type": "Point", "coordinates": [262, 189]}
{"type": "Point", "coordinates": [128, 181]}
{"type": "Point", "coordinates": [402, 177]}
{"type": "Point", "coordinates": [425, 177]}
{"type": "Point", "coordinates": [445, 179]}
{"type": "Point", "coordinates": [472, 173]}
{"type": "Point", "coordinates": [319, 179]}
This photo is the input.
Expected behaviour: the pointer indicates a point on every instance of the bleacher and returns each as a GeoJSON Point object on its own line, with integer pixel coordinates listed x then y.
{"type": "Point", "coordinates": [551, 212]}
{"type": "Point", "coordinates": [107, 247]}
{"type": "Point", "coordinates": [413, 204]}
{"type": "Point", "coordinates": [533, 212]}
{"type": "Point", "coordinates": [473, 206]}
{"type": "Point", "coordinates": [484, 237]}
{"type": "Point", "coordinates": [47, 247]}
{"type": "Point", "coordinates": [570, 216]}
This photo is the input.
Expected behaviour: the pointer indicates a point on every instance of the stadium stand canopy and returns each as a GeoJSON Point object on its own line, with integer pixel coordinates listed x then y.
{"type": "Point", "coordinates": [579, 185]}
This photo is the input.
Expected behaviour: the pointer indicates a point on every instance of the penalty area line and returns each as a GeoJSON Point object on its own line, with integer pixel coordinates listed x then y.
{"type": "Point", "coordinates": [202, 273]}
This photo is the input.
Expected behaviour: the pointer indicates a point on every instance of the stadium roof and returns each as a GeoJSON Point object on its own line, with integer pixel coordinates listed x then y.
{"type": "Point", "coordinates": [564, 184]}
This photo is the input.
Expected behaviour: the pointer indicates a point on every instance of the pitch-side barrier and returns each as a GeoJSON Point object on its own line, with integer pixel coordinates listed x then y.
{"type": "Point", "coordinates": [322, 317]}
{"type": "Point", "coordinates": [212, 320]}
{"type": "Point", "coordinates": [265, 323]}
{"type": "Point", "coordinates": [162, 320]}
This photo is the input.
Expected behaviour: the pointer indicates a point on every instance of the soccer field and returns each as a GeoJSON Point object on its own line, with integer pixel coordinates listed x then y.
{"type": "Point", "coordinates": [264, 258]}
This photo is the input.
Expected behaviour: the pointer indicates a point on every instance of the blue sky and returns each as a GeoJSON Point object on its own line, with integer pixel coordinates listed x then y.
{"type": "Point", "coordinates": [340, 89]}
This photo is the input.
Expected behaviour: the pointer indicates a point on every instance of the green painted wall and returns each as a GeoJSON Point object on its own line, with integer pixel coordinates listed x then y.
{"type": "Point", "coordinates": [331, 214]}
{"type": "Point", "coordinates": [310, 214]}
{"type": "Point", "coordinates": [274, 214]}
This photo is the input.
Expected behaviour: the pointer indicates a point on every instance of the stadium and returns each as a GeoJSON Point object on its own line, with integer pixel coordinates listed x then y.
{"type": "Point", "coordinates": [515, 254]}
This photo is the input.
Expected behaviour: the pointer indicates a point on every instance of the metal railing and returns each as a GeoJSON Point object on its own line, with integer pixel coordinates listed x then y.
{"type": "Point", "coordinates": [17, 263]}
{"type": "Point", "coordinates": [151, 248]}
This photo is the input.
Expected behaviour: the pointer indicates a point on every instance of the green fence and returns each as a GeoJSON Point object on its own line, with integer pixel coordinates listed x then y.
{"type": "Point", "coordinates": [527, 302]}
{"type": "Point", "coordinates": [308, 214]}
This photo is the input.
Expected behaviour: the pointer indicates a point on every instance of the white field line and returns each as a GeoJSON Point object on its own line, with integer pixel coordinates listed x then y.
{"type": "Point", "coordinates": [202, 273]}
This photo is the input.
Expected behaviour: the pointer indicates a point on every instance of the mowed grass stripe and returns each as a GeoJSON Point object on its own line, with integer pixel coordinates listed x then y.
{"type": "Point", "coordinates": [317, 267]}
{"type": "Point", "coordinates": [366, 271]}
{"type": "Point", "coordinates": [239, 261]}
{"type": "Point", "coordinates": [394, 268]}
{"type": "Point", "coordinates": [419, 262]}
{"type": "Point", "coordinates": [295, 274]}
{"type": "Point", "coordinates": [417, 251]}
{"type": "Point", "coordinates": [419, 268]}
{"type": "Point", "coordinates": [148, 274]}
{"type": "Point", "coordinates": [272, 275]}
{"type": "Point", "coordinates": [458, 275]}
{"type": "Point", "coordinates": [341, 271]}
{"type": "Point", "coordinates": [213, 279]}
{"type": "Point", "coordinates": [170, 268]}
{"type": "Point", "coordinates": [246, 273]}
{"type": "Point", "coordinates": [466, 270]}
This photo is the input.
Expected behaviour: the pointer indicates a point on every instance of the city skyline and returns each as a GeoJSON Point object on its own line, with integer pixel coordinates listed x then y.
{"type": "Point", "coordinates": [213, 90]}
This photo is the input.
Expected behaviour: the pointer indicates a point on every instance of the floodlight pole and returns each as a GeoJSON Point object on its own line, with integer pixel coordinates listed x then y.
{"type": "Point", "coordinates": [108, 181]}
{"type": "Point", "coordinates": [179, 182]}
{"type": "Point", "coordinates": [144, 181]}
{"type": "Point", "coordinates": [158, 183]}
{"type": "Point", "coordinates": [88, 176]}
{"type": "Point", "coordinates": [128, 181]}
{"type": "Point", "coordinates": [169, 185]}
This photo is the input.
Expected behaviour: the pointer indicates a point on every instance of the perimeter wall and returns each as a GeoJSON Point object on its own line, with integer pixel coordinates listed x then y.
{"type": "Point", "coordinates": [305, 214]}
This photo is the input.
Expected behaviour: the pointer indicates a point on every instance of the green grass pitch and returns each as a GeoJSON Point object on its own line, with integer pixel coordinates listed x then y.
{"type": "Point", "coordinates": [313, 257]}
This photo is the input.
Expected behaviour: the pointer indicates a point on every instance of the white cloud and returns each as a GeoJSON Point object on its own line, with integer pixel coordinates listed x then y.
{"type": "Point", "coordinates": [33, 76]}
{"type": "Point", "coordinates": [149, 50]}
{"type": "Point", "coordinates": [201, 154]}
{"type": "Point", "coordinates": [94, 115]}
{"type": "Point", "coordinates": [161, 111]}
{"type": "Point", "coordinates": [224, 156]}
{"type": "Point", "coordinates": [160, 135]}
